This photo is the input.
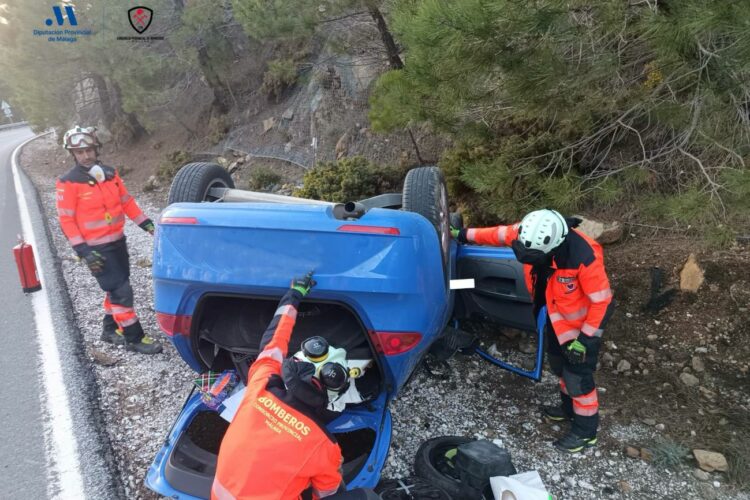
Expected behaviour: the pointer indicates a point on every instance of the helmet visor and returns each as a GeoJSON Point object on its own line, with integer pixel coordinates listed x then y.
{"type": "Point", "coordinates": [81, 141]}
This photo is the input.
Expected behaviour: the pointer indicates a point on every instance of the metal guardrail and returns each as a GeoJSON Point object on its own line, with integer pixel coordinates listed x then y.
{"type": "Point", "coordinates": [13, 125]}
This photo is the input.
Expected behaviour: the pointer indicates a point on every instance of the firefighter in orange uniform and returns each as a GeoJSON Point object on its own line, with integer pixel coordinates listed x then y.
{"type": "Point", "coordinates": [277, 445]}
{"type": "Point", "coordinates": [92, 203]}
{"type": "Point", "coordinates": [564, 270]}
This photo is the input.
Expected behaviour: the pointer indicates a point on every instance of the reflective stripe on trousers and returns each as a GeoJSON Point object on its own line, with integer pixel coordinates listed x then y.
{"type": "Point", "coordinates": [586, 405]}
{"type": "Point", "coordinates": [123, 316]}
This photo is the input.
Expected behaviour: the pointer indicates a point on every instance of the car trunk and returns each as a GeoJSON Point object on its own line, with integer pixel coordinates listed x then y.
{"type": "Point", "coordinates": [227, 334]}
{"type": "Point", "coordinates": [191, 465]}
{"type": "Point", "coordinates": [230, 328]}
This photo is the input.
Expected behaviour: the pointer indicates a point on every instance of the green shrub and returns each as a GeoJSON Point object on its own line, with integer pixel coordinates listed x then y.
{"type": "Point", "coordinates": [218, 127]}
{"type": "Point", "coordinates": [171, 164]}
{"type": "Point", "coordinates": [263, 178]}
{"type": "Point", "coordinates": [668, 453]}
{"type": "Point", "coordinates": [280, 75]}
{"type": "Point", "coordinates": [349, 179]}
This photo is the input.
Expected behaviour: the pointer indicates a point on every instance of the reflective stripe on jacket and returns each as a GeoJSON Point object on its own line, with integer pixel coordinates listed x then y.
{"type": "Point", "coordinates": [578, 295]}
{"type": "Point", "coordinates": [273, 450]}
{"type": "Point", "coordinates": [93, 213]}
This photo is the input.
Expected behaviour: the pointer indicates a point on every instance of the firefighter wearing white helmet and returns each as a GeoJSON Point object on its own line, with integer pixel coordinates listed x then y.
{"type": "Point", "coordinates": [564, 270]}
{"type": "Point", "coordinates": [92, 203]}
{"type": "Point", "coordinates": [81, 138]}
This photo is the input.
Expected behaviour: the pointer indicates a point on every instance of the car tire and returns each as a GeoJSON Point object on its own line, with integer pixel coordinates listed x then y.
{"type": "Point", "coordinates": [427, 463]}
{"type": "Point", "coordinates": [194, 180]}
{"type": "Point", "coordinates": [410, 488]}
{"type": "Point", "coordinates": [425, 193]}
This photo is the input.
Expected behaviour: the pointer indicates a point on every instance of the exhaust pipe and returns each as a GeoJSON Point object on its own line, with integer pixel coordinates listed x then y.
{"type": "Point", "coordinates": [350, 210]}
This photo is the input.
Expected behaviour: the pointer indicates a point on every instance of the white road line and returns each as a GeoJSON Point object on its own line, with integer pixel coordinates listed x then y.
{"type": "Point", "coordinates": [62, 452]}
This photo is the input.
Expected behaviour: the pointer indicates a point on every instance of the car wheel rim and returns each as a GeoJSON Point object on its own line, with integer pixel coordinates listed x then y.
{"type": "Point", "coordinates": [218, 183]}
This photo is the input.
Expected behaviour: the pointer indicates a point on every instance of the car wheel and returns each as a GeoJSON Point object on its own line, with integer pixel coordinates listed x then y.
{"type": "Point", "coordinates": [434, 463]}
{"type": "Point", "coordinates": [425, 193]}
{"type": "Point", "coordinates": [194, 180]}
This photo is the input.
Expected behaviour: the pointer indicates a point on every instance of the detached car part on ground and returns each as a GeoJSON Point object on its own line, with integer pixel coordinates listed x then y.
{"type": "Point", "coordinates": [223, 258]}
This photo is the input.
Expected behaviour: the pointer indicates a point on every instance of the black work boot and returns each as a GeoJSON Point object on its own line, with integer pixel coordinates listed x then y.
{"type": "Point", "coordinates": [137, 341]}
{"type": "Point", "coordinates": [146, 345]}
{"type": "Point", "coordinates": [110, 333]}
{"type": "Point", "coordinates": [556, 414]}
{"type": "Point", "coordinates": [573, 443]}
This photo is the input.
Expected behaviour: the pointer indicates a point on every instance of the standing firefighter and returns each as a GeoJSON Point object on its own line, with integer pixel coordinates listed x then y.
{"type": "Point", "coordinates": [564, 270]}
{"type": "Point", "coordinates": [92, 203]}
{"type": "Point", "coordinates": [277, 445]}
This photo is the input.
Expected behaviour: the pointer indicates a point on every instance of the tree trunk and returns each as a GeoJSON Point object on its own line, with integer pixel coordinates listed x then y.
{"type": "Point", "coordinates": [129, 120]}
{"type": "Point", "coordinates": [394, 60]}
{"type": "Point", "coordinates": [221, 93]}
{"type": "Point", "coordinates": [108, 113]}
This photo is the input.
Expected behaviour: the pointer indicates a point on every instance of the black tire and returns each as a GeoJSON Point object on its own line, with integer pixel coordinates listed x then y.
{"type": "Point", "coordinates": [428, 460]}
{"type": "Point", "coordinates": [192, 182]}
{"type": "Point", "coordinates": [418, 489]}
{"type": "Point", "coordinates": [425, 193]}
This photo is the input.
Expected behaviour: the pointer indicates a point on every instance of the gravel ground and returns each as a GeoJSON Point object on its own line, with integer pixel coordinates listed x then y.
{"type": "Point", "coordinates": [142, 395]}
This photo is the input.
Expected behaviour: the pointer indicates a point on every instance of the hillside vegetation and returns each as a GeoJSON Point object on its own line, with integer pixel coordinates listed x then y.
{"type": "Point", "coordinates": [634, 109]}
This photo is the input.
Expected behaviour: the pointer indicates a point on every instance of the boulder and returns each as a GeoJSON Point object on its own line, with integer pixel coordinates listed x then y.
{"type": "Point", "coordinates": [701, 475]}
{"type": "Point", "coordinates": [689, 379]}
{"type": "Point", "coordinates": [288, 114]}
{"type": "Point", "coordinates": [603, 232]}
{"type": "Point", "coordinates": [623, 366]}
{"type": "Point", "coordinates": [268, 124]}
{"type": "Point", "coordinates": [691, 276]}
{"type": "Point", "coordinates": [233, 167]}
{"type": "Point", "coordinates": [632, 452]}
{"type": "Point", "coordinates": [711, 461]}
{"type": "Point", "coordinates": [342, 146]}
{"type": "Point", "coordinates": [697, 364]}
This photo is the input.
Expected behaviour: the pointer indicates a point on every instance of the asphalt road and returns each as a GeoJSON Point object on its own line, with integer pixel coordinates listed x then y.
{"type": "Point", "coordinates": [39, 456]}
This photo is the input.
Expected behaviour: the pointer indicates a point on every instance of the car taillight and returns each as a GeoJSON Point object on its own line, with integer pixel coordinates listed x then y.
{"type": "Point", "coordinates": [174, 324]}
{"type": "Point", "coordinates": [354, 228]}
{"type": "Point", "coordinates": [178, 220]}
{"type": "Point", "coordinates": [393, 343]}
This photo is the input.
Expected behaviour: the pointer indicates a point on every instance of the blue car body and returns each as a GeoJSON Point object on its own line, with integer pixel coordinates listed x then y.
{"type": "Point", "coordinates": [386, 268]}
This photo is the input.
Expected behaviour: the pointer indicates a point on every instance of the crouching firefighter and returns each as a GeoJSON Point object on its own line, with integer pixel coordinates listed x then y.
{"type": "Point", "coordinates": [92, 203]}
{"type": "Point", "coordinates": [277, 446]}
{"type": "Point", "coordinates": [564, 270]}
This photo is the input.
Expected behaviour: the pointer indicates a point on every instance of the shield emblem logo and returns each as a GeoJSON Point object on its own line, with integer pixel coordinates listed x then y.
{"type": "Point", "coordinates": [140, 18]}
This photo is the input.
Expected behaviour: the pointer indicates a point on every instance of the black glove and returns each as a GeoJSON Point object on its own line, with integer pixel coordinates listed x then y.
{"type": "Point", "coordinates": [95, 261]}
{"type": "Point", "coordinates": [304, 284]}
{"type": "Point", "coordinates": [148, 226]}
{"type": "Point", "coordinates": [459, 235]}
{"type": "Point", "coordinates": [575, 352]}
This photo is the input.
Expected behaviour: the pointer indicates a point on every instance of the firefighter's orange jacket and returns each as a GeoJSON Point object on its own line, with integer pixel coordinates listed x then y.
{"type": "Point", "coordinates": [93, 213]}
{"type": "Point", "coordinates": [272, 450]}
{"type": "Point", "coordinates": [578, 295]}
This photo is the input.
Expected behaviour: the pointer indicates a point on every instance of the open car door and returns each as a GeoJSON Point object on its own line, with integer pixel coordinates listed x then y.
{"type": "Point", "coordinates": [500, 296]}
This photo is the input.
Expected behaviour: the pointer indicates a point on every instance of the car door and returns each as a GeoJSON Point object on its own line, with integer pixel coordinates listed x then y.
{"type": "Point", "coordinates": [499, 291]}
{"type": "Point", "coordinates": [499, 295]}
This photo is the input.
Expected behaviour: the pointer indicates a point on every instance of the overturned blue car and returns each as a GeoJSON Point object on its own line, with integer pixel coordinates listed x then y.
{"type": "Point", "coordinates": [384, 268]}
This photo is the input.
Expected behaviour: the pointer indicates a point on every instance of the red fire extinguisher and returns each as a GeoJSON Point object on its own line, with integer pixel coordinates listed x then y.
{"type": "Point", "coordinates": [24, 254]}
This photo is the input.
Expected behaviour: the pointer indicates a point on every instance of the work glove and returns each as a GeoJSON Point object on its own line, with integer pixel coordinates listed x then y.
{"type": "Point", "coordinates": [148, 225]}
{"type": "Point", "coordinates": [459, 235]}
{"type": "Point", "coordinates": [95, 261]}
{"type": "Point", "coordinates": [304, 284]}
{"type": "Point", "coordinates": [575, 352]}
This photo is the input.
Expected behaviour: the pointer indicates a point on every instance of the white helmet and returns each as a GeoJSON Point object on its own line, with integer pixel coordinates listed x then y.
{"type": "Point", "coordinates": [542, 230]}
{"type": "Point", "coordinates": [80, 138]}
